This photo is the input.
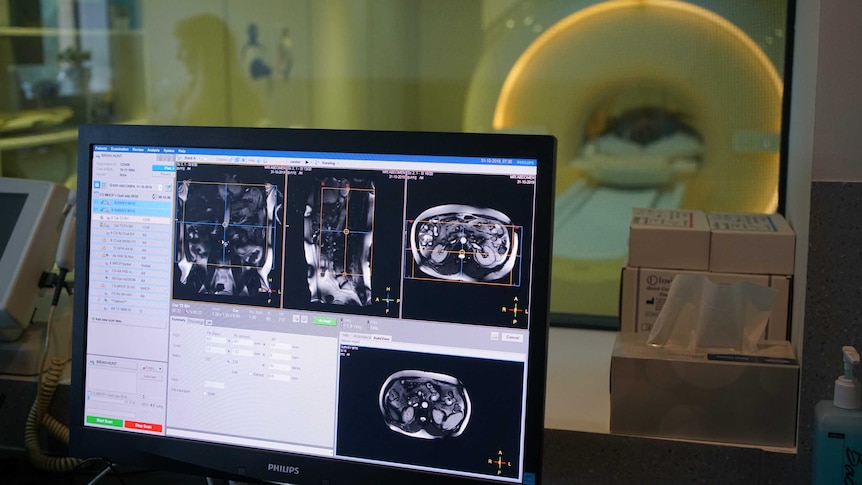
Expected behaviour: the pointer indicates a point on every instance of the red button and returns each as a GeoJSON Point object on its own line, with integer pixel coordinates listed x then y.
{"type": "Point", "coordinates": [156, 428]}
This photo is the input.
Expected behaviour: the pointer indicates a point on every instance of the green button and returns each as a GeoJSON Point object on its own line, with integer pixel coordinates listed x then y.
{"type": "Point", "coordinates": [328, 321]}
{"type": "Point", "coordinates": [105, 421]}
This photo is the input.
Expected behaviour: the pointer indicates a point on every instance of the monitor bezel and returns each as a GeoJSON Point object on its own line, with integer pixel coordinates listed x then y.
{"type": "Point", "coordinates": [212, 459]}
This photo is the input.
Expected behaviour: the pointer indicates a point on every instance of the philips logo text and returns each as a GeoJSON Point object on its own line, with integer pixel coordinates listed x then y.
{"type": "Point", "coordinates": [272, 467]}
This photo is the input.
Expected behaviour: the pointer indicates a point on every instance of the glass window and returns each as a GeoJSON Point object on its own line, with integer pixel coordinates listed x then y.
{"type": "Point", "coordinates": [654, 103]}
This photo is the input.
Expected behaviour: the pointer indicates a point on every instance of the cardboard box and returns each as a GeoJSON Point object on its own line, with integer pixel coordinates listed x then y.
{"type": "Point", "coordinates": [643, 292]}
{"type": "Point", "coordinates": [668, 238]}
{"type": "Point", "coordinates": [751, 243]}
{"type": "Point", "coordinates": [734, 399]}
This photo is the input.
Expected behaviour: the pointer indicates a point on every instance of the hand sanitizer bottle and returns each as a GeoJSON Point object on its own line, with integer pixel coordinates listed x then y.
{"type": "Point", "coordinates": [838, 430]}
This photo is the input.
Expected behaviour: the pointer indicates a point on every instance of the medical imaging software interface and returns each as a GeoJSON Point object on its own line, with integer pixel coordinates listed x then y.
{"type": "Point", "coordinates": [371, 308]}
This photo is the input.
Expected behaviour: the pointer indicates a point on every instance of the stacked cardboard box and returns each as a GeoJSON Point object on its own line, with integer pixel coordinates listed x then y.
{"type": "Point", "coordinates": [725, 247]}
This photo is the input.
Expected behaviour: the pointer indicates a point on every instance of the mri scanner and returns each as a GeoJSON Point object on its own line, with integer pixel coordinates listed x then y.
{"type": "Point", "coordinates": [654, 103]}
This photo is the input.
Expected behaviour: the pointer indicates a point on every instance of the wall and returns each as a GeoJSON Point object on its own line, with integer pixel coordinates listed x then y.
{"type": "Point", "coordinates": [837, 150]}
{"type": "Point", "coordinates": [445, 77]}
{"type": "Point", "coordinates": [832, 316]}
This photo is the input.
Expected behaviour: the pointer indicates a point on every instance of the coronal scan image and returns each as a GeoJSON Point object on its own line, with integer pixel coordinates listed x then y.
{"type": "Point", "coordinates": [338, 233]}
{"type": "Point", "coordinates": [227, 230]}
{"type": "Point", "coordinates": [463, 243]}
{"type": "Point", "coordinates": [425, 405]}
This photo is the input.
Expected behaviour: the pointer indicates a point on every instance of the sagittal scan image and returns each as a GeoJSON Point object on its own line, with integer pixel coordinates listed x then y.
{"type": "Point", "coordinates": [424, 404]}
{"type": "Point", "coordinates": [229, 228]}
{"type": "Point", "coordinates": [463, 243]}
{"type": "Point", "coordinates": [338, 231]}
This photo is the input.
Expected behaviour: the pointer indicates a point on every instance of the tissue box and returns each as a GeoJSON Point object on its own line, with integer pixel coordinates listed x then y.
{"type": "Point", "coordinates": [751, 243]}
{"type": "Point", "coordinates": [667, 238]}
{"type": "Point", "coordinates": [643, 292]}
{"type": "Point", "coordinates": [702, 396]}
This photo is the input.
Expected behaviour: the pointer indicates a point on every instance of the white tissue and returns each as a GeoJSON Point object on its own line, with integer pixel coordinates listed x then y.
{"type": "Point", "coordinates": [699, 313]}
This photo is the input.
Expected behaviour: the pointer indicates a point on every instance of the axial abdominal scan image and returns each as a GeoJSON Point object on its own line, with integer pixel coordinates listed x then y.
{"type": "Point", "coordinates": [429, 409]}
{"type": "Point", "coordinates": [424, 404]}
{"type": "Point", "coordinates": [228, 235]}
{"type": "Point", "coordinates": [464, 243]}
{"type": "Point", "coordinates": [338, 231]}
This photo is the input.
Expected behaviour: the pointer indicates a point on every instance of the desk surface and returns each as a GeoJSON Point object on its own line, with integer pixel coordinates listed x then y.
{"type": "Point", "coordinates": [578, 393]}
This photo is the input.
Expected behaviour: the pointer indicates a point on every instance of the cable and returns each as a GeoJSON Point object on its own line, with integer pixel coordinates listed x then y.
{"type": "Point", "coordinates": [36, 418]}
{"type": "Point", "coordinates": [58, 290]}
{"type": "Point", "coordinates": [110, 466]}
{"type": "Point", "coordinates": [101, 474]}
{"type": "Point", "coordinates": [49, 378]}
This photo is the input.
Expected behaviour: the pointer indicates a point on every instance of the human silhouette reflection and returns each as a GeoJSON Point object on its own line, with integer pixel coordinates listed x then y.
{"type": "Point", "coordinates": [285, 54]}
{"type": "Point", "coordinates": [253, 55]}
{"type": "Point", "coordinates": [218, 93]}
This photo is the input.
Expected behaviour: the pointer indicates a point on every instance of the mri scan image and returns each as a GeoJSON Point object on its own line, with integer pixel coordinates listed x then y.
{"type": "Point", "coordinates": [464, 243]}
{"type": "Point", "coordinates": [425, 405]}
{"type": "Point", "coordinates": [226, 234]}
{"type": "Point", "coordinates": [338, 232]}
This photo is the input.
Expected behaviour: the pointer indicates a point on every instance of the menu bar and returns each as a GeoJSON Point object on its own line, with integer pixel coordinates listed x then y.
{"type": "Point", "coordinates": [244, 155]}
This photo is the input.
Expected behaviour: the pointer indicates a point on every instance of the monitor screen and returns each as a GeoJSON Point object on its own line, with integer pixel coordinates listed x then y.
{"type": "Point", "coordinates": [312, 306]}
{"type": "Point", "coordinates": [12, 205]}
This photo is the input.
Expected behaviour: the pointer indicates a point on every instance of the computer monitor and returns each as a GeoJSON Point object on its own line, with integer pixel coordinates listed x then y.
{"type": "Point", "coordinates": [312, 306]}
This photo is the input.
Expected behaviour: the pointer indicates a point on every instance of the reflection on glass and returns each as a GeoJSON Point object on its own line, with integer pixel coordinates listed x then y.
{"type": "Point", "coordinates": [208, 51]}
{"type": "Point", "coordinates": [654, 103]}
